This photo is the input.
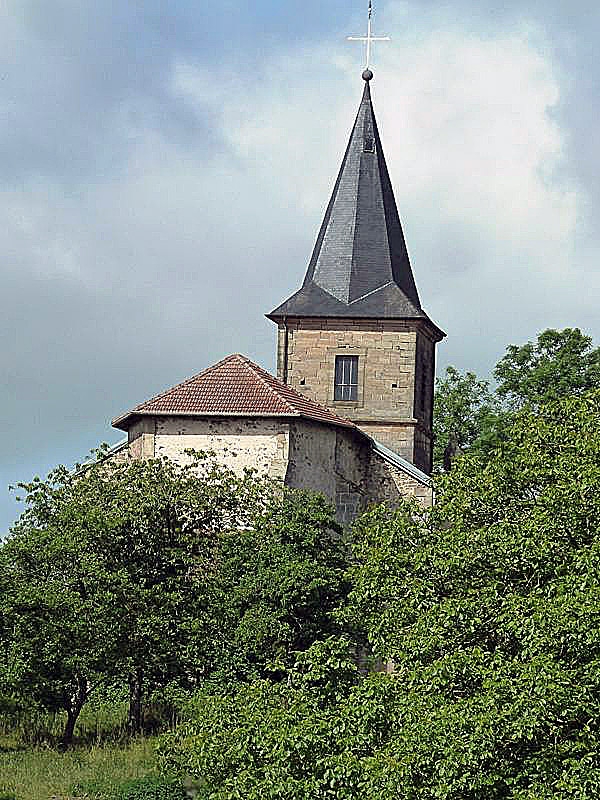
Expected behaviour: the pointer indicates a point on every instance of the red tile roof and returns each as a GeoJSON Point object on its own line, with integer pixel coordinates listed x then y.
{"type": "Point", "coordinates": [233, 387]}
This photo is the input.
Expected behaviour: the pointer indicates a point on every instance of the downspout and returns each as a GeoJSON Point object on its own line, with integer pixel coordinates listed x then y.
{"type": "Point", "coordinates": [284, 372]}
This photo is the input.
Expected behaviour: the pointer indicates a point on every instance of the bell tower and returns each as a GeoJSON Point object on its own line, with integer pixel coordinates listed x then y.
{"type": "Point", "coordinates": [354, 337]}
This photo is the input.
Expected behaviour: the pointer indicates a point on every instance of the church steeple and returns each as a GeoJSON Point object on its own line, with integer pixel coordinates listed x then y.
{"type": "Point", "coordinates": [360, 265]}
{"type": "Point", "coordinates": [354, 337]}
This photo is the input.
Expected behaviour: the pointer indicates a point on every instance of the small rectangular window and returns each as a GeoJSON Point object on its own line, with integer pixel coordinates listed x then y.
{"type": "Point", "coordinates": [346, 378]}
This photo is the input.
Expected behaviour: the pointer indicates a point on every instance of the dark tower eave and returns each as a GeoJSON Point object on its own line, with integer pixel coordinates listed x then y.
{"type": "Point", "coordinates": [387, 303]}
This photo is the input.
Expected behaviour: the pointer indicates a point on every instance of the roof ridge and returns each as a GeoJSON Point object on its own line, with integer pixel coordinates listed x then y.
{"type": "Point", "coordinates": [268, 378]}
{"type": "Point", "coordinates": [368, 294]}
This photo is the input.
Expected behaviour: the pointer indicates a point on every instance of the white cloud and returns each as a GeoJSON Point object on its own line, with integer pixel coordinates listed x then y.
{"type": "Point", "coordinates": [473, 149]}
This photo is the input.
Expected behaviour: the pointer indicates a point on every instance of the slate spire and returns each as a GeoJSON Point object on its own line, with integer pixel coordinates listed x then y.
{"type": "Point", "coordinates": [360, 265]}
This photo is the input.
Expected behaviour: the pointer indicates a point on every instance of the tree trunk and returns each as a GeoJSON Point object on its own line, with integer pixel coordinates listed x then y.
{"type": "Point", "coordinates": [451, 450]}
{"type": "Point", "coordinates": [69, 730]}
{"type": "Point", "coordinates": [73, 705]}
{"type": "Point", "coordinates": [134, 719]}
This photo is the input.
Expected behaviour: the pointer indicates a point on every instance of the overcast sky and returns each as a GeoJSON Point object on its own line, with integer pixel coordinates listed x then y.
{"type": "Point", "coordinates": [164, 168]}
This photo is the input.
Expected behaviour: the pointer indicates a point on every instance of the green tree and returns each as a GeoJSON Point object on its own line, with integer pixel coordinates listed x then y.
{"type": "Point", "coordinates": [489, 610]}
{"type": "Point", "coordinates": [469, 417]}
{"type": "Point", "coordinates": [154, 574]}
{"type": "Point", "coordinates": [276, 586]}
{"type": "Point", "coordinates": [103, 578]}
{"type": "Point", "coordinates": [558, 364]}
{"type": "Point", "coordinates": [55, 637]}
{"type": "Point", "coordinates": [274, 739]}
{"type": "Point", "coordinates": [462, 406]}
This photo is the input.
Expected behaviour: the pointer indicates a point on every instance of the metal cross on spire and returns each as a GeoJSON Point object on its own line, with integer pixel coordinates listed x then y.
{"type": "Point", "coordinates": [369, 38]}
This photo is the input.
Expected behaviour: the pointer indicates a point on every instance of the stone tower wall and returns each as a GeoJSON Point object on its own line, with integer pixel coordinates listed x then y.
{"type": "Point", "coordinates": [395, 376]}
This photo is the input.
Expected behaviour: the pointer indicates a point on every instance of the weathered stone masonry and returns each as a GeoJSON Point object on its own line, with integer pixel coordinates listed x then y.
{"type": "Point", "coordinates": [396, 368]}
{"type": "Point", "coordinates": [302, 454]}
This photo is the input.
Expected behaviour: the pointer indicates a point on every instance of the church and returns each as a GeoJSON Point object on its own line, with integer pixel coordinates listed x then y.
{"type": "Point", "coordinates": [350, 412]}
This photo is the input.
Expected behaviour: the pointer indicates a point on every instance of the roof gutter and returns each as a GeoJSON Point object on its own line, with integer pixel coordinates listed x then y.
{"type": "Point", "coordinates": [119, 422]}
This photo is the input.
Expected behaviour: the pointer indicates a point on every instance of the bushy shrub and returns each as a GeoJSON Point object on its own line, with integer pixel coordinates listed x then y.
{"type": "Point", "coordinates": [285, 743]}
{"type": "Point", "coordinates": [309, 736]}
{"type": "Point", "coordinates": [151, 789]}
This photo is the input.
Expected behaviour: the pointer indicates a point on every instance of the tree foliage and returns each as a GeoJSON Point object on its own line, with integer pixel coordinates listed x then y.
{"type": "Point", "coordinates": [99, 577]}
{"type": "Point", "coordinates": [489, 611]}
{"type": "Point", "coordinates": [470, 417]}
{"type": "Point", "coordinates": [276, 585]}
{"type": "Point", "coordinates": [463, 404]}
{"type": "Point", "coordinates": [559, 364]}
{"type": "Point", "coordinates": [270, 739]}
{"type": "Point", "coordinates": [153, 573]}
{"type": "Point", "coordinates": [487, 607]}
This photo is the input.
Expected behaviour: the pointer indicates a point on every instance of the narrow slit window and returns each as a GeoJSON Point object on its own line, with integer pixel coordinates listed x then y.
{"type": "Point", "coordinates": [346, 378]}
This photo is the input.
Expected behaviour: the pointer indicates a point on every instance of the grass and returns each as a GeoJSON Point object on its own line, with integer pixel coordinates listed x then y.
{"type": "Point", "coordinates": [102, 719]}
{"type": "Point", "coordinates": [32, 767]}
{"type": "Point", "coordinates": [47, 774]}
